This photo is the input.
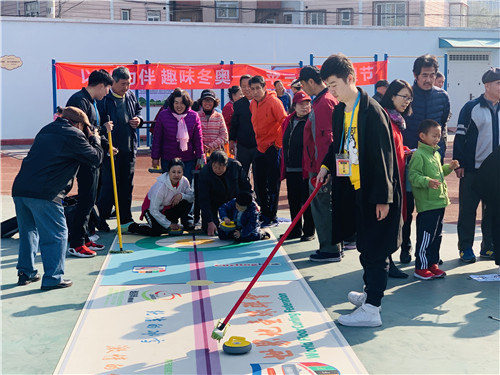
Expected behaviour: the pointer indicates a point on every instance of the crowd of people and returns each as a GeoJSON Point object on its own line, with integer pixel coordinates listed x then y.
{"type": "Point", "coordinates": [376, 158]}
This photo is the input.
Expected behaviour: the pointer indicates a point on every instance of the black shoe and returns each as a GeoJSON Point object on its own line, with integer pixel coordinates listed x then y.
{"type": "Point", "coordinates": [133, 228]}
{"type": "Point", "coordinates": [291, 236]}
{"type": "Point", "coordinates": [189, 227]}
{"type": "Point", "coordinates": [61, 285]}
{"type": "Point", "coordinates": [405, 256]}
{"type": "Point", "coordinates": [265, 235]}
{"type": "Point", "coordinates": [307, 238]}
{"type": "Point", "coordinates": [440, 261]}
{"type": "Point", "coordinates": [103, 227]}
{"type": "Point", "coordinates": [25, 280]}
{"type": "Point", "coordinates": [396, 273]}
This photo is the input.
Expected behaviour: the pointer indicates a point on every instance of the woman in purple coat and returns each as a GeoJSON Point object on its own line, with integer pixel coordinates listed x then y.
{"type": "Point", "coordinates": [178, 134]}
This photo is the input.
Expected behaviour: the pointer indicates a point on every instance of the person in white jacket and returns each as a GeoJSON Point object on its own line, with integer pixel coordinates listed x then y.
{"type": "Point", "coordinates": [168, 200]}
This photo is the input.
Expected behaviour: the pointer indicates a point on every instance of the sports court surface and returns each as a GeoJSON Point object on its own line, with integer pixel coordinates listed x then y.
{"type": "Point", "coordinates": [153, 311]}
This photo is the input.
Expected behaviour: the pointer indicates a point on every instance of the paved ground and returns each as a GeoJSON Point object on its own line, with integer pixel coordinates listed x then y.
{"type": "Point", "coordinates": [433, 327]}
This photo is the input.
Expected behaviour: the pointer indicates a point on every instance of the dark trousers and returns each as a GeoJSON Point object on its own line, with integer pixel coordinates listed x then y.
{"type": "Point", "coordinates": [267, 181]}
{"type": "Point", "coordinates": [406, 230]}
{"type": "Point", "coordinates": [87, 178]}
{"type": "Point", "coordinates": [173, 214]}
{"type": "Point", "coordinates": [373, 257]}
{"type": "Point", "coordinates": [124, 170]}
{"type": "Point", "coordinates": [246, 156]}
{"type": "Point", "coordinates": [429, 228]}
{"type": "Point", "coordinates": [230, 236]}
{"type": "Point", "coordinates": [468, 201]}
{"type": "Point", "coordinates": [297, 194]}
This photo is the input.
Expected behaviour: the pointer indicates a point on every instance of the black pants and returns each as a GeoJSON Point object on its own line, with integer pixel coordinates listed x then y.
{"type": "Point", "coordinates": [267, 181]}
{"type": "Point", "coordinates": [429, 228]}
{"type": "Point", "coordinates": [154, 229]}
{"type": "Point", "coordinates": [87, 178]}
{"type": "Point", "coordinates": [297, 194]}
{"type": "Point", "coordinates": [373, 257]}
{"type": "Point", "coordinates": [468, 201]}
{"type": "Point", "coordinates": [246, 156]}
{"type": "Point", "coordinates": [406, 231]}
{"type": "Point", "coordinates": [124, 169]}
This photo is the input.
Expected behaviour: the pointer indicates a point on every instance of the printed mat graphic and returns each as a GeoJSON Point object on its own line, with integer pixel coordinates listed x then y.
{"type": "Point", "coordinates": [153, 312]}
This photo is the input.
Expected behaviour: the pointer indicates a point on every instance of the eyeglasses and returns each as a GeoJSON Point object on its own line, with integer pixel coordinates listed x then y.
{"type": "Point", "coordinates": [407, 98]}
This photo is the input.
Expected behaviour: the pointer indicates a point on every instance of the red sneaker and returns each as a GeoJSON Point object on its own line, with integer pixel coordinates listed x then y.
{"type": "Point", "coordinates": [436, 271]}
{"type": "Point", "coordinates": [95, 246]}
{"type": "Point", "coordinates": [424, 274]}
{"type": "Point", "coordinates": [82, 252]}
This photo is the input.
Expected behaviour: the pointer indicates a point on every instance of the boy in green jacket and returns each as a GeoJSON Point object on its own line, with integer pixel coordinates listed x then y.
{"type": "Point", "coordinates": [431, 197]}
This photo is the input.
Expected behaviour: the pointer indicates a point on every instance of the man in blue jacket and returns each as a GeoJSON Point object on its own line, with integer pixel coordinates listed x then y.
{"type": "Point", "coordinates": [46, 176]}
{"type": "Point", "coordinates": [476, 138]}
{"type": "Point", "coordinates": [429, 103]}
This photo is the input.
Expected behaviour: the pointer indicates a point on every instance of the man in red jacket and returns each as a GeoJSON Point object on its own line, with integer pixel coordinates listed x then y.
{"type": "Point", "coordinates": [317, 139]}
{"type": "Point", "coordinates": [267, 116]}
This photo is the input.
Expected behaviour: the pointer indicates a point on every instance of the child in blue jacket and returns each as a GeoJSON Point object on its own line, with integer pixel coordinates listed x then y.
{"type": "Point", "coordinates": [243, 212]}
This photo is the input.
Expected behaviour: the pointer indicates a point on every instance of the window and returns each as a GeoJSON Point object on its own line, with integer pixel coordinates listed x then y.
{"type": "Point", "coordinates": [390, 14]}
{"type": "Point", "coordinates": [469, 57]}
{"type": "Point", "coordinates": [344, 16]}
{"type": "Point", "coordinates": [31, 9]}
{"type": "Point", "coordinates": [126, 14]}
{"type": "Point", "coordinates": [458, 15]}
{"type": "Point", "coordinates": [288, 18]}
{"type": "Point", "coordinates": [227, 9]}
{"type": "Point", "coordinates": [317, 17]}
{"type": "Point", "coordinates": [154, 15]}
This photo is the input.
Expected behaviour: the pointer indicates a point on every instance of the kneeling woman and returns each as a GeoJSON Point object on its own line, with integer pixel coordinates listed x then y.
{"type": "Point", "coordinates": [168, 200]}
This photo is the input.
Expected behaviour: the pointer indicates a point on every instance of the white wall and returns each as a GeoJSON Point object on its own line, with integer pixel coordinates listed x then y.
{"type": "Point", "coordinates": [26, 95]}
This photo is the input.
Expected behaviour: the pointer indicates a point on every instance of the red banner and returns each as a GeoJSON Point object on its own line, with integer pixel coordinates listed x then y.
{"type": "Point", "coordinates": [166, 77]}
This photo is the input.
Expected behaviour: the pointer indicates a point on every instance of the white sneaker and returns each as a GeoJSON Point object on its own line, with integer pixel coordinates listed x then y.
{"type": "Point", "coordinates": [364, 316]}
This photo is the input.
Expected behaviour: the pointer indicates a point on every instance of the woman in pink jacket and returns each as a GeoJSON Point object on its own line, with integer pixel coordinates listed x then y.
{"type": "Point", "coordinates": [178, 134]}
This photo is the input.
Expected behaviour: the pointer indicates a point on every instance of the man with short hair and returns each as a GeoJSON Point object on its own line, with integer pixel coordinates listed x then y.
{"type": "Point", "coordinates": [429, 103]}
{"type": "Point", "coordinates": [45, 177]}
{"type": "Point", "coordinates": [366, 195]}
{"type": "Point", "coordinates": [285, 97]}
{"type": "Point", "coordinates": [380, 88]}
{"type": "Point", "coordinates": [86, 99]}
{"type": "Point", "coordinates": [122, 107]}
{"type": "Point", "coordinates": [241, 135]}
{"type": "Point", "coordinates": [267, 117]}
{"type": "Point", "coordinates": [476, 138]}
{"type": "Point", "coordinates": [317, 139]}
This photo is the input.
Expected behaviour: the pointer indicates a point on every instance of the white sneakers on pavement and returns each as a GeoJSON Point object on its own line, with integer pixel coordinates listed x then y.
{"type": "Point", "coordinates": [365, 315]}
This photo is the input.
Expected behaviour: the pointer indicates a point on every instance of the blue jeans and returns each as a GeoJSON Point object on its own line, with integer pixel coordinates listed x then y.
{"type": "Point", "coordinates": [41, 224]}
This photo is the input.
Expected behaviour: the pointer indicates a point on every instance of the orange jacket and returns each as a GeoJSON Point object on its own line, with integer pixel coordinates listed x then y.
{"type": "Point", "coordinates": [267, 117]}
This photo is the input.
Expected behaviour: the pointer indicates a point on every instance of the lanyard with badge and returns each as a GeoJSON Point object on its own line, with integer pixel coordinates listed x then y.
{"type": "Point", "coordinates": [342, 161]}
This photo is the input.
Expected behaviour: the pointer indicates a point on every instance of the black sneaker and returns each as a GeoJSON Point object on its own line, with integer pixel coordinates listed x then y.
{"type": "Point", "coordinates": [63, 284]}
{"type": "Point", "coordinates": [326, 257]}
{"type": "Point", "coordinates": [307, 238]}
{"type": "Point", "coordinates": [25, 279]}
{"type": "Point", "coordinates": [133, 228]}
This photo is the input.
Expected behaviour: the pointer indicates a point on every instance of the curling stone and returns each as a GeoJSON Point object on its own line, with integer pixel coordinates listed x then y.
{"type": "Point", "coordinates": [237, 345]}
{"type": "Point", "coordinates": [228, 228]}
{"type": "Point", "coordinates": [176, 232]}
